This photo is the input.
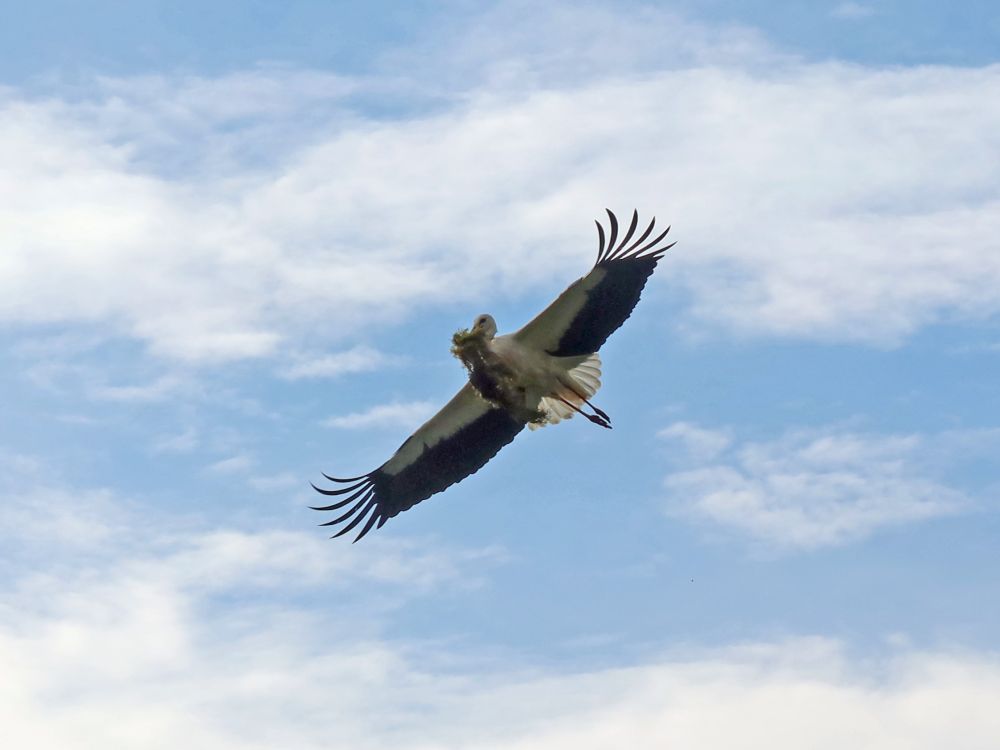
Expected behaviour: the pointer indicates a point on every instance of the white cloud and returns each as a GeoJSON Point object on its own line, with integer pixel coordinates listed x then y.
{"type": "Point", "coordinates": [700, 443]}
{"type": "Point", "coordinates": [159, 633]}
{"type": "Point", "coordinates": [852, 11]}
{"type": "Point", "coordinates": [94, 521]}
{"type": "Point", "coordinates": [813, 200]}
{"type": "Point", "coordinates": [183, 442]}
{"type": "Point", "coordinates": [231, 465]}
{"type": "Point", "coordinates": [275, 482]}
{"type": "Point", "coordinates": [117, 638]}
{"type": "Point", "coordinates": [354, 360]}
{"type": "Point", "coordinates": [142, 665]}
{"type": "Point", "coordinates": [182, 550]}
{"type": "Point", "coordinates": [403, 414]}
{"type": "Point", "coordinates": [158, 390]}
{"type": "Point", "coordinates": [552, 46]}
{"type": "Point", "coordinates": [813, 488]}
{"type": "Point", "coordinates": [34, 512]}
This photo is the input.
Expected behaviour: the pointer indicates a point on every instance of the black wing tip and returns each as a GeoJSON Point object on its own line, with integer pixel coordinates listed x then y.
{"type": "Point", "coordinates": [368, 526]}
{"type": "Point", "coordinates": [600, 240]}
{"type": "Point", "coordinates": [615, 251]}
{"type": "Point", "coordinates": [363, 492]}
{"type": "Point", "coordinates": [342, 490]}
{"type": "Point", "coordinates": [344, 480]}
{"type": "Point", "coordinates": [359, 516]}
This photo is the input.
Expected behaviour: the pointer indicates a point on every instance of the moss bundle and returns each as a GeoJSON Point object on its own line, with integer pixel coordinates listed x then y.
{"type": "Point", "coordinates": [490, 376]}
{"type": "Point", "coordinates": [468, 346]}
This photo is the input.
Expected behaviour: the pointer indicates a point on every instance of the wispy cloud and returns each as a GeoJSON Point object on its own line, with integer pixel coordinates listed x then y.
{"type": "Point", "coordinates": [814, 488]}
{"type": "Point", "coordinates": [860, 232]}
{"type": "Point", "coordinates": [699, 443]}
{"type": "Point", "coordinates": [95, 521]}
{"type": "Point", "coordinates": [403, 414]}
{"type": "Point", "coordinates": [275, 482]}
{"type": "Point", "coordinates": [144, 648]}
{"type": "Point", "coordinates": [183, 442]}
{"type": "Point", "coordinates": [358, 359]}
{"type": "Point", "coordinates": [164, 626]}
{"type": "Point", "coordinates": [852, 11]}
{"type": "Point", "coordinates": [156, 390]}
{"type": "Point", "coordinates": [231, 465]}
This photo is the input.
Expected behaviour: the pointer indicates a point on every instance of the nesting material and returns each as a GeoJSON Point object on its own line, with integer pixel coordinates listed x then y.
{"type": "Point", "coordinates": [491, 378]}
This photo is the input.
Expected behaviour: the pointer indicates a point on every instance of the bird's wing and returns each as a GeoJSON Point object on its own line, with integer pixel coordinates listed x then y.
{"type": "Point", "coordinates": [592, 308]}
{"type": "Point", "coordinates": [451, 445]}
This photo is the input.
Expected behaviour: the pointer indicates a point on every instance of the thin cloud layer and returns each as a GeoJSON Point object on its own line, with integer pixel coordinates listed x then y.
{"type": "Point", "coordinates": [851, 11]}
{"type": "Point", "coordinates": [403, 414]}
{"type": "Point", "coordinates": [818, 201]}
{"type": "Point", "coordinates": [813, 488]}
{"type": "Point", "coordinates": [122, 631]}
{"type": "Point", "coordinates": [350, 361]}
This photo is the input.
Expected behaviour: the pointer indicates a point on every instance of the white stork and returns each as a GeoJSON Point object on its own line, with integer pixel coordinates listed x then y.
{"type": "Point", "coordinates": [541, 374]}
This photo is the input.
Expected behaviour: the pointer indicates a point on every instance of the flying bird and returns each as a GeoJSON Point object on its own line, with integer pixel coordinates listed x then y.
{"type": "Point", "coordinates": [541, 374]}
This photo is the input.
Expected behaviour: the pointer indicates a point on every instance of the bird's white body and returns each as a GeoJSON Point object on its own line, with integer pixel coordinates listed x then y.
{"type": "Point", "coordinates": [539, 381]}
{"type": "Point", "coordinates": [546, 379]}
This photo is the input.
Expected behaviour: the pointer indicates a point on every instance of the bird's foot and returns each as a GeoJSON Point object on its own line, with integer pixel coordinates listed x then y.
{"type": "Point", "coordinates": [599, 420]}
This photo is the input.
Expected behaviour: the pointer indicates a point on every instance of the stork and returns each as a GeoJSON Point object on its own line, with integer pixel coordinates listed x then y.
{"type": "Point", "coordinates": [543, 373]}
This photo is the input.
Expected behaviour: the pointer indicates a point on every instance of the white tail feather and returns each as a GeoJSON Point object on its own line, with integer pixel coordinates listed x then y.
{"type": "Point", "coordinates": [586, 380]}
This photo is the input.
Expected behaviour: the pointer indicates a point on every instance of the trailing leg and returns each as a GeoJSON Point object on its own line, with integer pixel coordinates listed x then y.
{"type": "Point", "coordinates": [595, 418]}
{"type": "Point", "coordinates": [583, 398]}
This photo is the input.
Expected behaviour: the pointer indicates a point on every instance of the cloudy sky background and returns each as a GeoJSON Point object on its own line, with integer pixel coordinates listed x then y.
{"type": "Point", "coordinates": [234, 242]}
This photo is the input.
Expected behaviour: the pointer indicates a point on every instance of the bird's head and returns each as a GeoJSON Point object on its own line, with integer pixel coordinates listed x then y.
{"type": "Point", "coordinates": [484, 325]}
{"type": "Point", "coordinates": [470, 344]}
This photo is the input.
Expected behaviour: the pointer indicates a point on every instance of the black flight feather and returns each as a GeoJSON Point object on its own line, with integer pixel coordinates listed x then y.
{"type": "Point", "coordinates": [610, 302]}
{"type": "Point", "coordinates": [438, 467]}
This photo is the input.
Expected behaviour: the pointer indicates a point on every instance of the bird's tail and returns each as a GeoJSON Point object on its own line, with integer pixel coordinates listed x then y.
{"type": "Point", "coordinates": [582, 381]}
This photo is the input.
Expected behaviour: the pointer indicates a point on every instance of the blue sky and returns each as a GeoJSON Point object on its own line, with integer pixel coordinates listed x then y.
{"type": "Point", "coordinates": [235, 241]}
